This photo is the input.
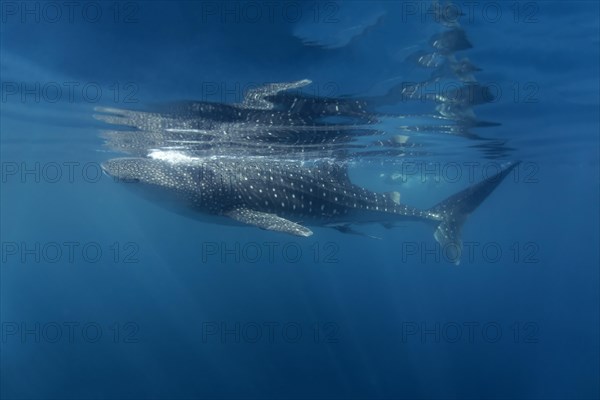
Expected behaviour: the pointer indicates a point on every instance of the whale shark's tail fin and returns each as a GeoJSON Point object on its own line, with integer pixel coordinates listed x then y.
{"type": "Point", "coordinates": [455, 209]}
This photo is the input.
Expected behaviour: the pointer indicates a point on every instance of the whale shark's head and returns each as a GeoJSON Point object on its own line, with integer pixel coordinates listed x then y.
{"type": "Point", "coordinates": [157, 180]}
{"type": "Point", "coordinates": [147, 171]}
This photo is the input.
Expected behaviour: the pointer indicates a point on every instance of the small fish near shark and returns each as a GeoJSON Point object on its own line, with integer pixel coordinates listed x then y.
{"type": "Point", "coordinates": [289, 196]}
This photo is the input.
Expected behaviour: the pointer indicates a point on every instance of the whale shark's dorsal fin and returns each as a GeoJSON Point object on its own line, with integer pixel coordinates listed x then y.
{"type": "Point", "coordinates": [395, 197]}
{"type": "Point", "coordinates": [256, 98]}
{"type": "Point", "coordinates": [270, 222]}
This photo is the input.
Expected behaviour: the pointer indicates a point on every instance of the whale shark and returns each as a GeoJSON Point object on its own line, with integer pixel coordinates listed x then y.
{"type": "Point", "coordinates": [289, 196]}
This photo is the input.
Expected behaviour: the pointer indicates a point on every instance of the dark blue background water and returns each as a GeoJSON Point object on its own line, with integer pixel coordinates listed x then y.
{"type": "Point", "coordinates": [177, 308]}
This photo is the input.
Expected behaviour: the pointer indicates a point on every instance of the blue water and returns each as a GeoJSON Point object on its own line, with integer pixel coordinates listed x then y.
{"type": "Point", "coordinates": [107, 295]}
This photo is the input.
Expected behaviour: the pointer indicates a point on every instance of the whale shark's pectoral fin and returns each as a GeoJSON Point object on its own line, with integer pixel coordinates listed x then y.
{"type": "Point", "coordinates": [270, 222]}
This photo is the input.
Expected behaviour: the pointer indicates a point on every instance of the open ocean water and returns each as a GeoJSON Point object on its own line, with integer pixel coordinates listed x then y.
{"type": "Point", "coordinates": [106, 294]}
